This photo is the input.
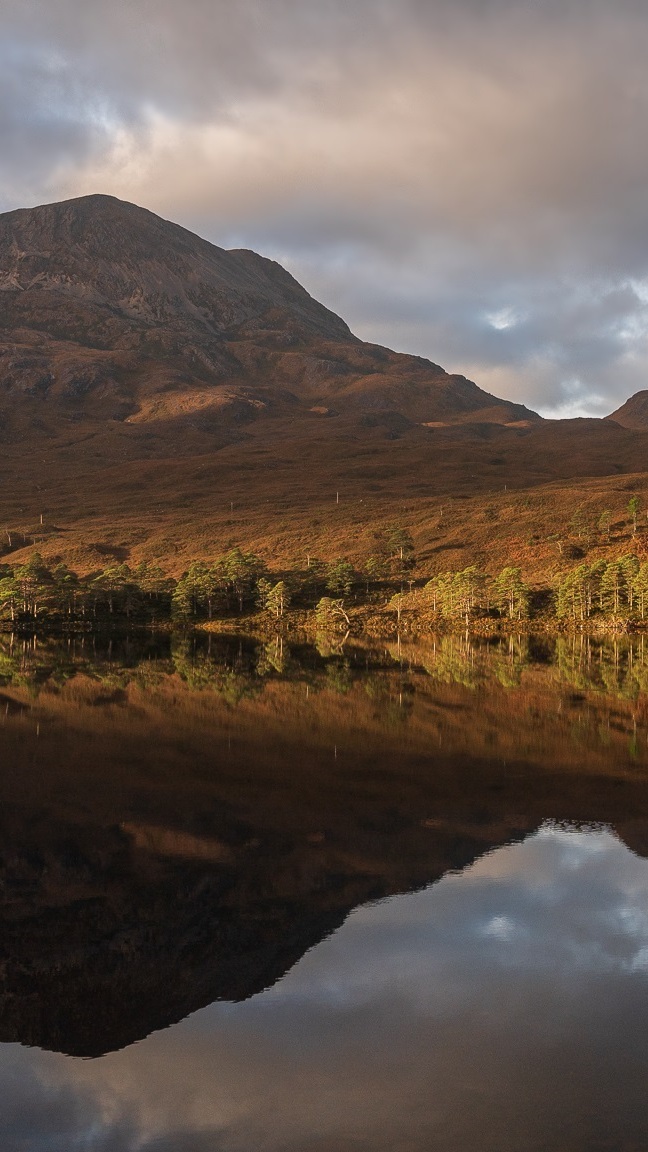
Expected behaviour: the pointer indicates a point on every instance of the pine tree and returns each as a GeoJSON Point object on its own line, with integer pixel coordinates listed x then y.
{"type": "Point", "coordinates": [35, 581]}
{"type": "Point", "coordinates": [330, 612]}
{"type": "Point", "coordinates": [468, 590]}
{"type": "Point", "coordinates": [613, 587]}
{"type": "Point", "coordinates": [66, 589]}
{"type": "Point", "coordinates": [511, 593]}
{"type": "Point", "coordinates": [10, 596]}
{"type": "Point", "coordinates": [640, 588]}
{"type": "Point", "coordinates": [401, 548]}
{"type": "Point", "coordinates": [630, 566]}
{"type": "Point", "coordinates": [442, 590]}
{"type": "Point", "coordinates": [183, 602]}
{"type": "Point", "coordinates": [242, 572]}
{"type": "Point", "coordinates": [575, 593]}
{"type": "Point", "coordinates": [376, 569]}
{"type": "Point", "coordinates": [340, 577]}
{"type": "Point", "coordinates": [274, 599]}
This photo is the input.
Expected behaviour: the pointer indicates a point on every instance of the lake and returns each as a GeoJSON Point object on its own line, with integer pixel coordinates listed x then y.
{"type": "Point", "coordinates": [323, 898]}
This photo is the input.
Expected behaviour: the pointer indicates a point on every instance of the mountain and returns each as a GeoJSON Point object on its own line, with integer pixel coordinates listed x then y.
{"type": "Point", "coordinates": [634, 413]}
{"type": "Point", "coordinates": [162, 398]}
{"type": "Point", "coordinates": [109, 311]}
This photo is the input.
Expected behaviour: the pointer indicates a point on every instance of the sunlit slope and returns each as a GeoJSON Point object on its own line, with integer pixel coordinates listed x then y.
{"type": "Point", "coordinates": [162, 397]}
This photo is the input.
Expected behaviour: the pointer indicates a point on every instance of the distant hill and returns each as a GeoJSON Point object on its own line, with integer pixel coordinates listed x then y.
{"type": "Point", "coordinates": [634, 413]}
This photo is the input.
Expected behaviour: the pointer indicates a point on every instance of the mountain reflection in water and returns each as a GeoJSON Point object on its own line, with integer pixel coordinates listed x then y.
{"type": "Point", "coordinates": [183, 819]}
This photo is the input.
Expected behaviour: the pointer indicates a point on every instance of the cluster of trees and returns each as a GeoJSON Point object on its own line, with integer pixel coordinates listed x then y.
{"type": "Point", "coordinates": [234, 582]}
{"type": "Point", "coordinates": [617, 588]}
{"type": "Point", "coordinates": [34, 590]}
{"type": "Point", "coordinates": [612, 588]}
{"type": "Point", "coordinates": [239, 580]}
{"type": "Point", "coordinates": [460, 595]}
{"type": "Point", "coordinates": [209, 588]}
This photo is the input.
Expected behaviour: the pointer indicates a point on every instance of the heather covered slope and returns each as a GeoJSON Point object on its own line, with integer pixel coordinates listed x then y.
{"type": "Point", "coordinates": [162, 398]}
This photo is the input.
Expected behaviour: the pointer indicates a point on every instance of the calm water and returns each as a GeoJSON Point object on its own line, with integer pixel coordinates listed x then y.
{"type": "Point", "coordinates": [322, 899]}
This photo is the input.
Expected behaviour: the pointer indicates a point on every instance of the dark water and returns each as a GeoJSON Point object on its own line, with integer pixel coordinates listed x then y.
{"type": "Point", "coordinates": [263, 897]}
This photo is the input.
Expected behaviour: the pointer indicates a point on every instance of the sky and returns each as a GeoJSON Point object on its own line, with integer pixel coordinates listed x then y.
{"type": "Point", "coordinates": [500, 1009]}
{"type": "Point", "coordinates": [460, 179]}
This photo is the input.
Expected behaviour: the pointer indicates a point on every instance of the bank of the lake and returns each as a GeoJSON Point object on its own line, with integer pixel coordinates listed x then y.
{"type": "Point", "coordinates": [371, 622]}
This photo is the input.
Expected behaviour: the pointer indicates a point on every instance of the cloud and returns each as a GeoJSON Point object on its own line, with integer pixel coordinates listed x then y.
{"type": "Point", "coordinates": [420, 165]}
{"type": "Point", "coordinates": [53, 1116]}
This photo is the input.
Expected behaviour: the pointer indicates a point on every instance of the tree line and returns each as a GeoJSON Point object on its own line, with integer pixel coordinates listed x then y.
{"type": "Point", "coordinates": [471, 592]}
{"type": "Point", "coordinates": [616, 589]}
{"type": "Point", "coordinates": [240, 581]}
{"type": "Point", "coordinates": [235, 582]}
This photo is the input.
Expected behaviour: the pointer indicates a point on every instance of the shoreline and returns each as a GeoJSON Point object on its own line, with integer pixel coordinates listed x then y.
{"type": "Point", "coordinates": [365, 623]}
{"type": "Point", "coordinates": [371, 624]}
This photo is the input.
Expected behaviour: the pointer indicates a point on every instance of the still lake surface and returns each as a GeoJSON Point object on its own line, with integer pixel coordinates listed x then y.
{"type": "Point", "coordinates": [323, 899]}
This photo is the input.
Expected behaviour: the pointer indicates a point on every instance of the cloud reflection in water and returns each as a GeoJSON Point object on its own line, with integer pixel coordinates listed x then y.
{"type": "Point", "coordinates": [502, 1008]}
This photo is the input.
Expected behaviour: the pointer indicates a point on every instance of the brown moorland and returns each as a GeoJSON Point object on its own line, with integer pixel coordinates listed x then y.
{"type": "Point", "coordinates": [162, 398]}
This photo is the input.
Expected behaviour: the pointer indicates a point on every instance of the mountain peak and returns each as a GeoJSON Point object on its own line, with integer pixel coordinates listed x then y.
{"type": "Point", "coordinates": [124, 261]}
{"type": "Point", "coordinates": [634, 413]}
{"type": "Point", "coordinates": [131, 305]}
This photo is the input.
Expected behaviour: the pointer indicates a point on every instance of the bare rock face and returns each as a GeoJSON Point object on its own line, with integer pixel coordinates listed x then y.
{"type": "Point", "coordinates": [127, 270]}
{"type": "Point", "coordinates": [103, 305]}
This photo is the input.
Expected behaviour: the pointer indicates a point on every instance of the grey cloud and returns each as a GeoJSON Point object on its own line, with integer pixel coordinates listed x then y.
{"type": "Point", "coordinates": [185, 57]}
{"type": "Point", "coordinates": [40, 1116]}
{"type": "Point", "coordinates": [539, 341]}
{"type": "Point", "coordinates": [475, 156]}
{"type": "Point", "coordinates": [40, 127]}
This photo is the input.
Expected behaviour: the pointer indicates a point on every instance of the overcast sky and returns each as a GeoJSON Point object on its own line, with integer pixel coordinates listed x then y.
{"type": "Point", "coordinates": [463, 179]}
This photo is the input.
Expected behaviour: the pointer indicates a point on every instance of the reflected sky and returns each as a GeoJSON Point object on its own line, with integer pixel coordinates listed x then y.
{"type": "Point", "coordinates": [503, 1008]}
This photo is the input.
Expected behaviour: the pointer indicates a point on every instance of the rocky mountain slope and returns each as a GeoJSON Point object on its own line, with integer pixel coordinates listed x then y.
{"type": "Point", "coordinates": [109, 311]}
{"type": "Point", "coordinates": [162, 398]}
